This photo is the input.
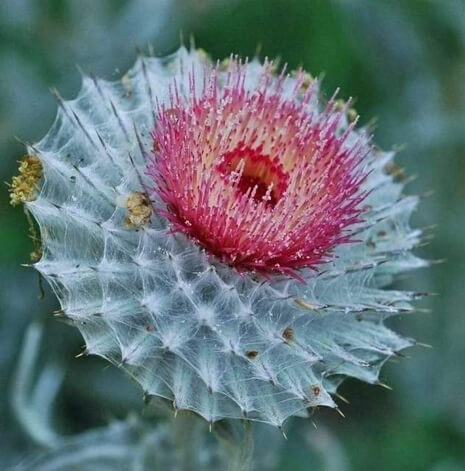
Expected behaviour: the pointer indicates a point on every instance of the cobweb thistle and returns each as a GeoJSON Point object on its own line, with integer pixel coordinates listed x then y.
{"type": "Point", "coordinates": [224, 235]}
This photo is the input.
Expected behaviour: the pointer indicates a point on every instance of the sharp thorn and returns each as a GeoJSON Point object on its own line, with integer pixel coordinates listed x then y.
{"type": "Point", "coordinates": [423, 310]}
{"type": "Point", "coordinates": [56, 94]}
{"type": "Point", "coordinates": [385, 386]}
{"type": "Point", "coordinates": [426, 194]}
{"type": "Point", "coordinates": [410, 179]}
{"type": "Point", "coordinates": [401, 355]}
{"type": "Point", "coordinates": [424, 294]}
{"type": "Point", "coordinates": [342, 398]}
{"type": "Point", "coordinates": [80, 70]}
{"type": "Point", "coordinates": [437, 262]}
{"type": "Point", "coordinates": [146, 398]}
{"type": "Point", "coordinates": [425, 345]}
{"type": "Point", "coordinates": [282, 431]}
{"type": "Point", "coordinates": [21, 141]}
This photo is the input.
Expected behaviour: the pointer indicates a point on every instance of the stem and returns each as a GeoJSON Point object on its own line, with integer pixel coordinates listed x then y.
{"type": "Point", "coordinates": [245, 452]}
{"type": "Point", "coordinates": [237, 439]}
{"type": "Point", "coordinates": [186, 428]}
{"type": "Point", "coordinates": [33, 404]}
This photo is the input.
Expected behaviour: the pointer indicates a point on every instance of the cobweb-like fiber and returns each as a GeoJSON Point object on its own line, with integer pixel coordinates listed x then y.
{"type": "Point", "coordinates": [187, 328]}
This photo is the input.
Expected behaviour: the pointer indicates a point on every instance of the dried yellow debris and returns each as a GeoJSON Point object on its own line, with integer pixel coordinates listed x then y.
{"type": "Point", "coordinates": [139, 208]}
{"type": "Point", "coordinates": [24, 186]}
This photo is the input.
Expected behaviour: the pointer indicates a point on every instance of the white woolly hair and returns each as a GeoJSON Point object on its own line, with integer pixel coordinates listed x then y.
{"type": "Point", "coordinates": [188, 329]}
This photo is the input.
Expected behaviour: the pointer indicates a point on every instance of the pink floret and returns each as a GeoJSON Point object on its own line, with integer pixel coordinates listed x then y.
{"type": "Point", "coordinates": [258, 177]}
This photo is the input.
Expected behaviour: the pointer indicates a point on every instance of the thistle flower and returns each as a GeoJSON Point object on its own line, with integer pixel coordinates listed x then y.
{"type": "Point", "coordinates": [224, 236]}
{"type": "Point", "coordinates": [258, 177]}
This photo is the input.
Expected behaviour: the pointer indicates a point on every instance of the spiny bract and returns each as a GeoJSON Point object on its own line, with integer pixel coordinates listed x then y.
{"type": "Point", "coordinates": [184, 323]}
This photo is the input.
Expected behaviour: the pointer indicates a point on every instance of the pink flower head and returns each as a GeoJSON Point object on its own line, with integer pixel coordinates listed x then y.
{"type": "Point", "coordinates": [257, 174]}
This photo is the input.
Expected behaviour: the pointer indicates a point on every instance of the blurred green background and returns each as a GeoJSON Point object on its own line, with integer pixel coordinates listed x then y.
{"type": "Point", "coordinates": [404, 63]}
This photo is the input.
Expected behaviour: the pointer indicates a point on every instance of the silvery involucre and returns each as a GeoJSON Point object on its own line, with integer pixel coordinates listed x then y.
{"type": "Point", "coordinates": [222, 234]}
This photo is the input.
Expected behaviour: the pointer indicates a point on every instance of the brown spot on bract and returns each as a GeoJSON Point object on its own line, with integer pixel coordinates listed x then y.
{"type": "Point", "coordinates": [150, 328]}
{"type": "Point", "coordinates": [251, 354]}
{"type": "Point", "coordinates": [316, 390]}
{"type": "Point", "coordinates": [381, 233]}
{"type": "Point", "coordinates": [288, 333]}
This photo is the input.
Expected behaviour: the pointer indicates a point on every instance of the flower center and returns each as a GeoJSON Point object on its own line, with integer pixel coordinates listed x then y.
{"type": "Point", "coordinates": [254, 174]}
{"type": "Point", "coordinates": [261, 179]}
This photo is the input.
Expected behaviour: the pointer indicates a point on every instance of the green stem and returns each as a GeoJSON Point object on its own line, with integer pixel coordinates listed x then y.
{"type": "Point", "coordinates": [186, 428]}
{"type": "Point", "coordinates": [245, 452]}
{"type": "Point", "coordinates": [33, 403]}
{"type": "Point", "coordinates": [237, 439]}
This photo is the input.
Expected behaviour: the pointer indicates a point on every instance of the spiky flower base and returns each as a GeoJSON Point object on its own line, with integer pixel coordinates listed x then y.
{"type": "Point", "coordinates": [186, 327]}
